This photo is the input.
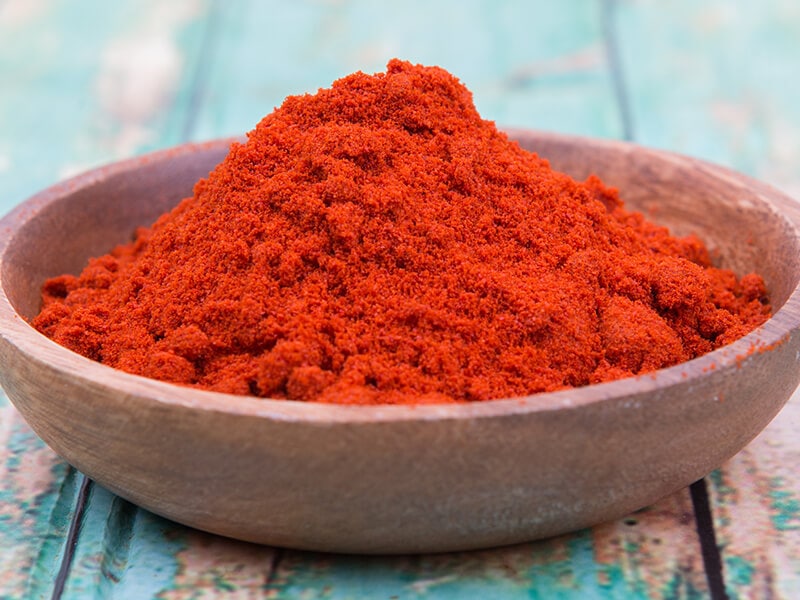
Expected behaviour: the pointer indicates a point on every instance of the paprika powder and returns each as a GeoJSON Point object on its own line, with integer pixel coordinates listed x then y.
{"type": "Point", "coordinates": [378, 242]}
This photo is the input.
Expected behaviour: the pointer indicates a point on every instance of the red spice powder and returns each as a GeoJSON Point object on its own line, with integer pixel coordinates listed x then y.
{"type": "Point", "coordinates": [378, 242]}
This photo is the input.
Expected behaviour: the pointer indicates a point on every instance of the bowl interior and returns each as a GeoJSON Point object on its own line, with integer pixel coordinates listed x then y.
{"type": "Point", "coordinates": [308, 475]}
{"type": "Point", "coordinates": [99, 210]}
{"type": "Point", "coordinates": [94, 213]}
{"type": "Point", "coordinates": [743, 231]}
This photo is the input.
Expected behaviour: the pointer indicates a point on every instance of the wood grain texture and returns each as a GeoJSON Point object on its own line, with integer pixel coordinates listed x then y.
{"type": "Point", "coordinates": [37, 495]}
{"type": "Point", "coordinates": [651, 554]}
{"type": "Point", "coordinates": [544, 68]}
{"type": "Point", "coordinates": [555, 77]}
{"type": "Point", "coordinates": [127, 552]}
{"type": "Point", "coordinates": [718, 80]}
{"type": "Point", "coordinates": [539, 65]}
{"type": "Point", "coordinates": [377, 504]}
{"type": "Point", "coordinates": [83, 83]}
{"type": "Point", "coordinates": [560, 82]}
{"type": "Point", "coordinates": [88, 82]}
{"type": "Point", "coordinates": [523, 470]}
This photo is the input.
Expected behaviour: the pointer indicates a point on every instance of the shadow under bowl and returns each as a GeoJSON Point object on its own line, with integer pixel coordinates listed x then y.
{"type": "Point", "coordinates": [391, 479]}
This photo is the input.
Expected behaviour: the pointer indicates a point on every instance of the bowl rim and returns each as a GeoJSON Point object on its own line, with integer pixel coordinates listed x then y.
{"type": "Point", "coordinates": [19, 333]}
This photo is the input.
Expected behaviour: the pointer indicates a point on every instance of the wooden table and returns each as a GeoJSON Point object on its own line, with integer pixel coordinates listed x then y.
{"type": "Point", "coordinates": [88, 82]}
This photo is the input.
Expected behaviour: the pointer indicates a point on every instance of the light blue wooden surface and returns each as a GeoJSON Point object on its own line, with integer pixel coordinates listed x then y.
{"type": "Point", "coordinates": [87, 82]}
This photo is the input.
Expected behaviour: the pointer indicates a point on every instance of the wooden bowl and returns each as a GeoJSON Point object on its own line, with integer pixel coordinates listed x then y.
{"type": "Point", "coordinates": [393, 478]}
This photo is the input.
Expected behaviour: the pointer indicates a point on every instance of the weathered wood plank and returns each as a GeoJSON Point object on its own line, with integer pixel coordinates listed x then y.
{"type": "Point", "coordinates": [542, 68]}
{"type": "Point", "coordinates": [718, 80]}
{"type": "Point", "coordinates": [77, 91]}
{"type": "Point", "coordinates": [37, 496]}
{"type": "Point", "coordinates": [652, 554]}
{"type": "Point", "coordinates": [756, 500]}
{"type": "Point", "coordinates": [44, 62]}
{"type": "Point", "coordinates": [550, 76]}
{"type": "Point", "coordinates": [539, 65]}
{"type": "Point", "coordinates": [127, 552]}
{"type": "Point", "coordinates": [756, 503]}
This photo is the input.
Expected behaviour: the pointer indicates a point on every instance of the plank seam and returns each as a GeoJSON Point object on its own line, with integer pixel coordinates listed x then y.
{"type": "Point", "coordinates": [71, 542]}
{"type": "Point", "coordinates": [116, 544]}
{"type": "Point", "coordinates": [610, 37]}
{"type": "Point", "coordinates": [704, 522]}
{"type": "Point", "coordinates": [199, 81]}
{"type": "Point", "coordinates": [197, 88]}
{"type": "Point", "coordinates": [272, 574]}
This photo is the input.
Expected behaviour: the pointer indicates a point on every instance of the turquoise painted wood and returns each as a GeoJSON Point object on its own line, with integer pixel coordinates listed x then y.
{"type": "Point", "coordinates": [74, 95]}
{"type": "Point", "coordinates": [539, 64]}
{"type": "Point", "coordinates": [84, 83]}
{"type": "Point", "coordinates": [37, 497]}
{"type": "Point", "coordinates": [87, 82]}
{"type": "Point", "coordinates": [717, 81]}
{"type": "Point", "coordinates": [652, 554]}
{"type": "Point", "coordinates": [47, 65]}
{"type": "Point", "coordinates": [720, 81]}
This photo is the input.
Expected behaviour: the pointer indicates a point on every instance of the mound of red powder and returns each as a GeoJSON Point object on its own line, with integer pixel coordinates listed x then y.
{"type": "Point", "coordinates": [378, 242]}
